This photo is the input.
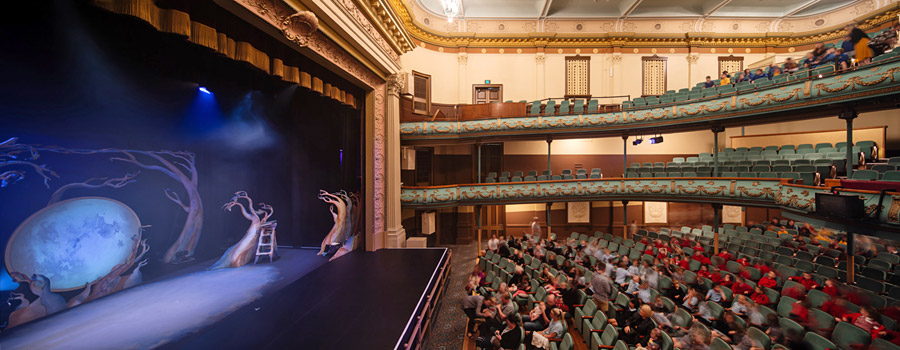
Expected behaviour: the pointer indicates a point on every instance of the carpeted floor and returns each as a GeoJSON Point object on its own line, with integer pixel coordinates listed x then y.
{"type": "Point", "coordinates": [449, 330]}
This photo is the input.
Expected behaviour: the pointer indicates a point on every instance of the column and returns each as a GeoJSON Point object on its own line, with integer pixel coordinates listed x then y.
{"type": "Point", "coordinates": [851, 275]}
{"type": "Point", "coordinates": [549, 164]}
{"type": "Point", "coordinates": [717, 221]}
{"type": "Point", "coordinates": [624, 155]}
{"type": "Point", "coordinates": [463, 78]}
{"type": "Point", "coordinates": [549, 206]}
{"type": "Point", "coordinates": [616, 60]}
{"type": "Point", "coordinates": [624, 219]}
{"type": "Point", "coordinates": [395, 235]}
{"type": "Point", "coordinates": [849, 115]}
{"type": "Point", "coordinates": [478, 225]}
{"type": "Point", "coordinates": [540, 86]}
{"type": "Point", "coordinates": [692, 59]}
{"type": "Point", "coordinates": [716, 130]}
{"type": "Point", "coordinates": [478, 145]}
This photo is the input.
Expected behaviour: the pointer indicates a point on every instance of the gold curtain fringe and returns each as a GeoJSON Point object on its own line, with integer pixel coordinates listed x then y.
{"type": "Point", "coordinates": [175, 22]}
{"type": "Point", "coordinates": [317, 85]}
{"type": "Point", "coordinates": [292, 74]}
{"type": "Point", "coordinates": [247, 53]}
{"type": "Point", "coordinates": [305, 80]}
{"type": "Point", "coordinates": [204, 35]}
{"type": "Point", "coordinates": [278, 68]}
{"type": "Point", "coordinates": [178, 22]}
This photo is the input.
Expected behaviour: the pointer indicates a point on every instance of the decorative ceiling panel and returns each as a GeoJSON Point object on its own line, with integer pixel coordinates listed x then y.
{"type": "Point", "coordinates": [518, 9]}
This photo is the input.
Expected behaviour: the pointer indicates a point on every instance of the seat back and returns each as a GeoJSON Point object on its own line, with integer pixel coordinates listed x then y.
{"type": "Point", "coordinates": [817, 342]}
{"type": "Point", "coordinates": [847, 336]}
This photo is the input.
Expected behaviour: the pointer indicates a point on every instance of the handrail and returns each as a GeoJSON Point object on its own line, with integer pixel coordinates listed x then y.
{"type": "Point", "coordinates": [628, 97]}
{"type": "Point", "coordinates": [424, 310]}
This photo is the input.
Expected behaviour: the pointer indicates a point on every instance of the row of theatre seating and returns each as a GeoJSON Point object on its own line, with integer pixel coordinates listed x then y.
{"type": "Point", "coordinates": [566, 107]}
{"type": "Point", "coordinates": [698, 92]}
{"type": "Point", "coordinates": [546, 175]}
{"type": "Point", "coordinates": [802, 63]}
{"type": "Point", "coordinates": [877, 287]}
{"type": "Point", "coordinates": [701, 92]}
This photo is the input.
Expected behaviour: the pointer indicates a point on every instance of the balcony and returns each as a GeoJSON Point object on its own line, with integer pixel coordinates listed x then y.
{"type": "Point", "coordinates": [806, 94]}
{"type": "Point", "coordinates": [773, 193]}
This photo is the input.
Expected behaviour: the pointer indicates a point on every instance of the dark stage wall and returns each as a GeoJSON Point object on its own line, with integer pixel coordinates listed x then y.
{"type": "Point", "coordinates": [74, 76]}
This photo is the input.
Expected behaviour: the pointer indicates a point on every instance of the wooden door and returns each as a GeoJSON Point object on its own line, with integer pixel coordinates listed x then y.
{"type": "Point", "coordinates": [493, 220]}
{"type": "Point", "coordinates": [487, 93]}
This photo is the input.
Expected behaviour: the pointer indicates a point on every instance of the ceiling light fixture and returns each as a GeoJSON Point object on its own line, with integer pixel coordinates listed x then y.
{"type": "Point", "coordinates": [451, 8]}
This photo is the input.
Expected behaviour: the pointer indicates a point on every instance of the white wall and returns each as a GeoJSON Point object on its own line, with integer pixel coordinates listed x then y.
{"type": "Point", "coordinates": [519, 73]}
{"type": "Point", "coordinates": [889, 118]}
{"type": "Point", "coordinates": [680, 143]}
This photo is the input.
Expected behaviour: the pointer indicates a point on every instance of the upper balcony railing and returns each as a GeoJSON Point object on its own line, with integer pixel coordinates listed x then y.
{"type": "Point", "coordinates": [802, 94]}
{"type": "Point", "coordinates": [764, 192]}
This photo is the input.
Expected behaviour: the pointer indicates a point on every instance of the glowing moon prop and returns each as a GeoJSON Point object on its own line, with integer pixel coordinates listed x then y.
{"type": "Point", "coordinates": [74, 242]}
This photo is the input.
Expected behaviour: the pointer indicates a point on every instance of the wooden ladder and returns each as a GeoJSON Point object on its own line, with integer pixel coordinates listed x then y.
{"type": "Point", "coordinates": [267, 244]}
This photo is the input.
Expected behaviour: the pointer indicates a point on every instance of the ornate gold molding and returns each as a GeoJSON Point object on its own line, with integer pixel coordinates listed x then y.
{"type": "Point", "coordinates": [623, 39]}
{"type": "Point", "coordinates": [382, 17]}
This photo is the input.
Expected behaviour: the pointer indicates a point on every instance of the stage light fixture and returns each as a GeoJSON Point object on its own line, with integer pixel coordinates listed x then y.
{"type": "Point", "coordinates": [204, 90]}
{"type": "Point", "coordinates": [637, 141]}
{"type": "Point", "coordinates": [655, 140]}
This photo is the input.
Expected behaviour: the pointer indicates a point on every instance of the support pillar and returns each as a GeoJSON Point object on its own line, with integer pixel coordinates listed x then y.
{"type": "Point", "coordinates": [478, 225]}
{"type": "Point", "coordinates": [547, 207]}
{"type": "Point", "coordinates": [478, 145]}
{"type": "Point", "coordinates": [692, 59]}
{"type": "Point", "coordinates": [848, 116]}
{"type": "Point", "coordinates": [463, 77]}
{"type": "Point", "coordinates": [549, 164]}
{"type": "Point", "coordinates": [624, 155]}
{"type": "Point", "coordinates": [624, 219]}
{"type": "Point", "coordinates": [394, 235]}
{"type": "Point", "coordinates": [540, 90]}
{"type": "Point", "coordinates": [716, 130]}
{"type": "Point", "coordinates": [717, 221]}
{"type": "Point", "coordinates": [851, 275]}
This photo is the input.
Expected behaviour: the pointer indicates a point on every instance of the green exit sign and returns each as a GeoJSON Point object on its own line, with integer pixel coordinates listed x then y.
{"type": "Point", "coordinates": [487, 81]}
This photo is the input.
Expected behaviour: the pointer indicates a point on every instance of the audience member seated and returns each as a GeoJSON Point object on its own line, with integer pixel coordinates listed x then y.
{"type": "Point", "coordinates": [758, 74]}
{"type": "Point", "coordinates": [638, 326]}
{"type": "Point", "coordinates": [647, 311]}
{"type": "Point", "coordinates": [509, 338]}
{"type": "Point", "coordinates": [884, 41]}
{"type": "Point", "coordinates": [790, 65]}
{"type": "Point", "coordinates": [476, 307]}
{"type": "Point", "coordinates": [555, 329]}
{"type": "Point", "coordinates": [724, 79]}
{"type": "Point", "coordinates": [709, 83]}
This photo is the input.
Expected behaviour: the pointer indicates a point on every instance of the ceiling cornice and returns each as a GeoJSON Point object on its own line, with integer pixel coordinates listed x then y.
{"type": "Point", "coordinates": [388, 23]}
{"type": "Point", "coordinates": [427, 35]}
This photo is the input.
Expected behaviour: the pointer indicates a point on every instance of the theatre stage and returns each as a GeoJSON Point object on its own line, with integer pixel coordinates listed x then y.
{"type": "Point", "coordinates": [363, 300]}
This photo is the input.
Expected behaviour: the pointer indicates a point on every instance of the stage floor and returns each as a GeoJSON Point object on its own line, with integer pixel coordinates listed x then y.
{"type": "Point", "coordinates": [363, 300]}
{"type": "Point", "coordinates": [164, 310]}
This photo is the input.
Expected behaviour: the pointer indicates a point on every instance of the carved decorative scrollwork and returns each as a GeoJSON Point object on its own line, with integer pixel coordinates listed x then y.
{"type": "Point", "coordinates": [299, 27]}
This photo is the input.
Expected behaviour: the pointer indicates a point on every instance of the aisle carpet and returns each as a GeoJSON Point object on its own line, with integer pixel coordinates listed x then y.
{"type": "Point", "coordinates": [449, 328]}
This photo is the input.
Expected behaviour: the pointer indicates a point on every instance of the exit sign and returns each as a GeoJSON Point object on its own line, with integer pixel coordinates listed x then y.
{"type": "Point", "coordinates": [487, 81]}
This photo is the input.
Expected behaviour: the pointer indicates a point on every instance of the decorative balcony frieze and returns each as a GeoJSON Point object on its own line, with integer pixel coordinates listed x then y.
{"type": "Point", "coordinates": [774, 193]}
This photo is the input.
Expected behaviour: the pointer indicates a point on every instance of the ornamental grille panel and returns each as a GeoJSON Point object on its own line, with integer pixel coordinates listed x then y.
{"type": "Point", "coordinates": [731, 64]}
{"type": "Point", "coordinates": [654, 75]}
{"type": "Point", "coordinates": [578, 76]}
